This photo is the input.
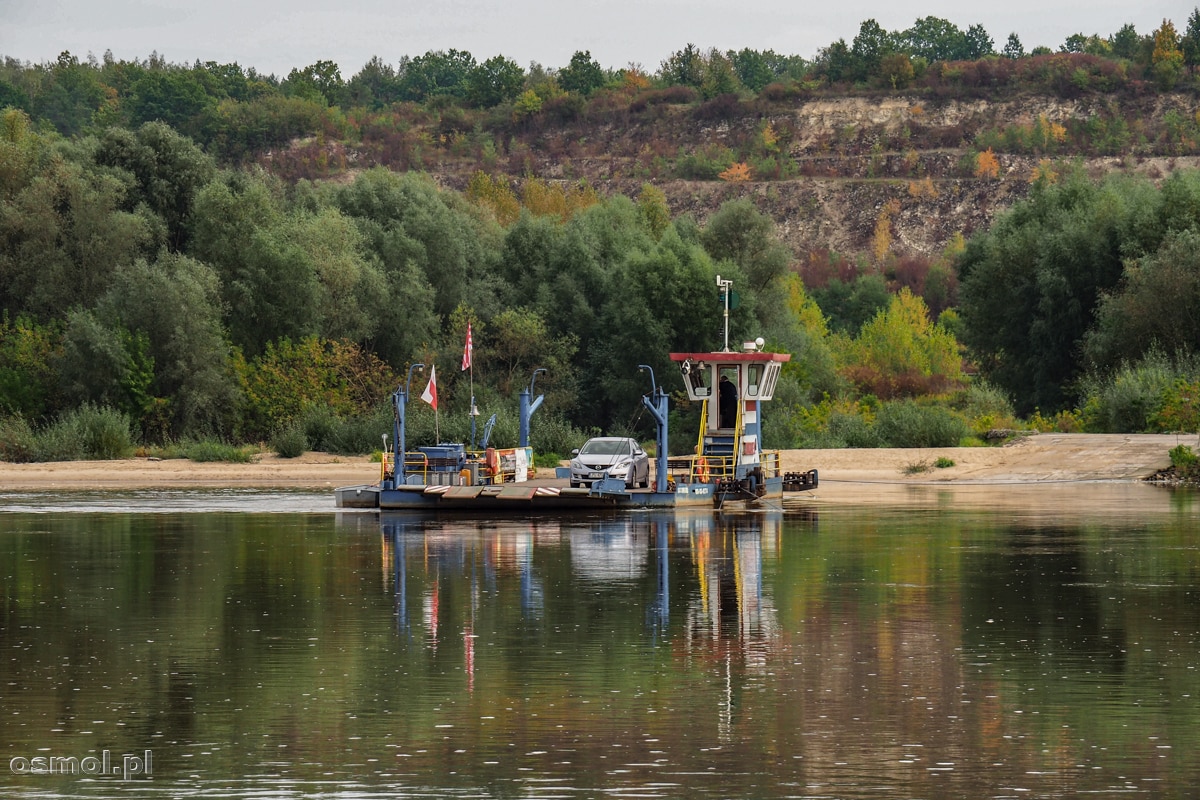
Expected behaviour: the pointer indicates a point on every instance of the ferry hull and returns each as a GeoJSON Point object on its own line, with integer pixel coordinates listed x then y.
{"type": "Point", "coordinates": [524, 498]}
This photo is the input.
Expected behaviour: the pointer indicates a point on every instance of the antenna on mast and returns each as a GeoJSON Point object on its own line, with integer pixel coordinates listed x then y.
{"type": "Point", "coordinates": [724, 288]}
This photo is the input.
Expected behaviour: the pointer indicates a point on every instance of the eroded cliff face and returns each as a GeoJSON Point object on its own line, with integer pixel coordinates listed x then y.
{"type": "Point", "coordinates": [849, 161]}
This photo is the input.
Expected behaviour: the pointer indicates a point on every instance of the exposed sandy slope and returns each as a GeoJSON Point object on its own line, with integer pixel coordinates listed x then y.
{"type": "Point", "coordinates": [1033, 459]}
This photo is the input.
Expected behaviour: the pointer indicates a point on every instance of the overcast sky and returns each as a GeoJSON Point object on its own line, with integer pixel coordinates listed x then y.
{"type": "Point", "coordinates": [273, 36]}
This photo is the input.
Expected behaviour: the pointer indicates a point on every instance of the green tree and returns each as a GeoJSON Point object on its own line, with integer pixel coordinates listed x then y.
{"type": "Point", "coordinates": [582, 75]}
{"type": "Point", "coordinates": [868, 49]}
{"type": "Point", "coordinates": [1167, 60]}
{"type": "Point", "coordinates": [375, 86]}
{"type": "Point", "coordinates": [1013, 48]}
{"type": "Point", "coordinates": [739, 233]}
{"type": "Point", "coordinates": [268, 282]}
{"type": "Point", "coordinates": [69, 96]}
{"type": "Point", "coordinates": [175, 303]}
{"type": "Point", "coordinates": [171, 96]}
{"type": "Point", "coordinates": [901, 353]}
{"type": "Point", "coordinates": [719, 76]}
{"type": "Point", "coordinates": [683, 68]}
{"type": "Point", "coordinates": [28, 378]}
{"type": "Point", "coordinates": [652, 204]}
{"type": "Point", "coordinates": [1190, 43]}
{"type": "Point", "coordinates": [1030, 285]}
{"type": "Point", "coordinates": [753, 68]}
{"type": "Point", "coordinates": [63, 227]}
{"type": "Point", "coordinates": [520, 341]}
{"type": "Point", "coordinates": [836, 61]}
{"type": "Point", "coordinates": [935, 39]}
{"type": "Point", "coordinates": [106, 365]}
{"type": "Point", "coordinates": [495, 81]}
{"type": "Point", "coordinates": [849, 305]}
{"type": "Point", "coordinates": [1156, 307]}
{"type": "Point", "coordinates": [662, 298]}
{"type": "Point", "coordinates": [1073, 43]}
{"type": "Point", "coordinates": [168, 169]}
{"type": "Point", "coordinates": [978, 43]}
{"type": "Point", "coordinates": [350, 288]}
{"type": "Point", "coordinates": [435, 74]}
{"type": "Point", "coordinates": [407, 219]}
{"type": "Point", "coordinates": [1125, 42]}
{"type": "Point", "coordinates": [290, 378]}
{"type": "Point", "coordinates": [321, 81]}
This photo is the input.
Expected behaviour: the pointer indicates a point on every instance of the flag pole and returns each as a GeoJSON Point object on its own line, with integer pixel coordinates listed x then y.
{"type": "Point", "coordinates": [430, 396]}
{"type": "Point", "coordinates": [468, 363]}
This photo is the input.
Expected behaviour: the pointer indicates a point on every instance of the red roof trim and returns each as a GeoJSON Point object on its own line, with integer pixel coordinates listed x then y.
{"type": "Point", "coordinates": [731, 358]}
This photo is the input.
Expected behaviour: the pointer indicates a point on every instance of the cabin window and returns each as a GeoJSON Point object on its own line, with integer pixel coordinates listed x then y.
{"type": "Point", "coordinates": [766, 389]}
{"type": "Point", "coordinates": [754, 376]}
{"type": "Point", "coordinates": [697, 380]}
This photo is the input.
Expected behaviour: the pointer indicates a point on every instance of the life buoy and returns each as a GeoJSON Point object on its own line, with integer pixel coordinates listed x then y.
{"type": "Point", "coordinates": [701, 469]}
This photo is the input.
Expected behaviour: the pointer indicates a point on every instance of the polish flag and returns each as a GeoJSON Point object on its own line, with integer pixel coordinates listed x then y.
{"type": "Point", "coordinates": [467, 350]}
{"type": "Point", "coordinates": [430, 393]}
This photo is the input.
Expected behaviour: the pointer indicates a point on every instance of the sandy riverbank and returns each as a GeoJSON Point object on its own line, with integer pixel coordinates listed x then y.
{"type": "Point", "coordinates": [1028, 460]}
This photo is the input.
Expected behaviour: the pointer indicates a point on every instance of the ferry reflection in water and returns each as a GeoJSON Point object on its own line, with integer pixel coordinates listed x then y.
{"type": "Point", "coordinates": [726, 560]}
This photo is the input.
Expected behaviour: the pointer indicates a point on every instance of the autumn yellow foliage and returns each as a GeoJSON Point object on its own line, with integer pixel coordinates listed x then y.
{"type": "Point", "coordinates": [737, 173]}
{"type": "Point", "coordinates": [881, 242]}
{"type": "Point", "coordinates": [922, 189]}
{"type": "Point", "coordinates": [494, 194]}
{"type": "Point", "coordinates": [986, 165]}
{"type": "Point", "coordinates": [552, 199]}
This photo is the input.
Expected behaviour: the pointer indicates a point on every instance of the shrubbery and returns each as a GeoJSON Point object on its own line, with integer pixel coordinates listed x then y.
{"type": "Point", "coordinates": [909, 424]}
{"type": "Point", "coordinates": [84, 433]}
{"type": "Point", "coordinates": [1156, 394]}
{"type": "Point", "coordinates": [900, 423]}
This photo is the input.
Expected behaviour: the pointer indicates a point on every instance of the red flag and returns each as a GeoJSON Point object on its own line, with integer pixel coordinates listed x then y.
{"type": "Point", "coordinates": [467, 349]}
{"type": "Point", "coordinates": [430, 393]}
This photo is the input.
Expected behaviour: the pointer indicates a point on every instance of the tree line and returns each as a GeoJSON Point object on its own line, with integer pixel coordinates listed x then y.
{"type": "Point", "coordinates": [234, 112]}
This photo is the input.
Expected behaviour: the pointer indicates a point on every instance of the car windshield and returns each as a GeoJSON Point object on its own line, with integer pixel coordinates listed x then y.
{"type": "Point", "coordinates": [605, 447]}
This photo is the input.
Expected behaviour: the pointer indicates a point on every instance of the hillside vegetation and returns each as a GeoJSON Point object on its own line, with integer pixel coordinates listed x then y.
{"type": "Point", "coordinates": [949, 240]}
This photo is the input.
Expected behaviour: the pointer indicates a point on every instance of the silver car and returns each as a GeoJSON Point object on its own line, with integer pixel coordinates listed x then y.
{"type": "Point", "coordinates": [610, 457]}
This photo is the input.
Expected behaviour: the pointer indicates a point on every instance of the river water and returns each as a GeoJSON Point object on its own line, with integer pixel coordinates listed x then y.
{"type": "Point", "coordinates": [936, 645]}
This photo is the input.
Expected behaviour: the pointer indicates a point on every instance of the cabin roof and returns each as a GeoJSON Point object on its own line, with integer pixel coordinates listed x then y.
{"type": "Point", "coordinates": [732, 357]}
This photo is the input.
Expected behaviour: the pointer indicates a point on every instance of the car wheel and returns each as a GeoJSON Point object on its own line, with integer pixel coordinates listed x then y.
{"type": "Point", "coordinates": [574, 485]}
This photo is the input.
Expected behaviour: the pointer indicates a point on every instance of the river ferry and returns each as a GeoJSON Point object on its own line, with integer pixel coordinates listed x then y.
{"type": "Point", "coordinates": [728, 464]}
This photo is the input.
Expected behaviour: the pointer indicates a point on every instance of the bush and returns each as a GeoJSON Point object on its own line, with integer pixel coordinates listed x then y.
{"type": "Point", "coordinates": [104, 433]}
{"type": "Point", "coordinates": [554, 435]}
{"type": "Point", "coordinates": [211, 450]}
{"type": "Point", "coordinates": [88, 432]}
{"type": "Point", "coordinates": [320, 425]}
{"type": "Point", "coordinates": [18, 444]}
{"type": "Point", "coordinates": [908, 424]}
{"type": "Point", "coordinates": [360, 434]}
{"type": "Point", "coordinates": [289, 442]}
{"type": "Point", "coordinates": [1186, 462]}
{"type": "Point", "coordinates": [986, 407]}
{"type": "Point", "coordinates": [1130, 399]}
{"type": "Point", "coordinates": [1183, 457]}
{"type": "Point", "coordinates": [852, 430]}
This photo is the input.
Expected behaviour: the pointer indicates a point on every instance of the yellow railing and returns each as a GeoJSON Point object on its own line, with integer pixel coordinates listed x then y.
{"type": "Point", "coordinates": [414, 463]}
{"type": "Point", "coordinates": [703, 427]}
